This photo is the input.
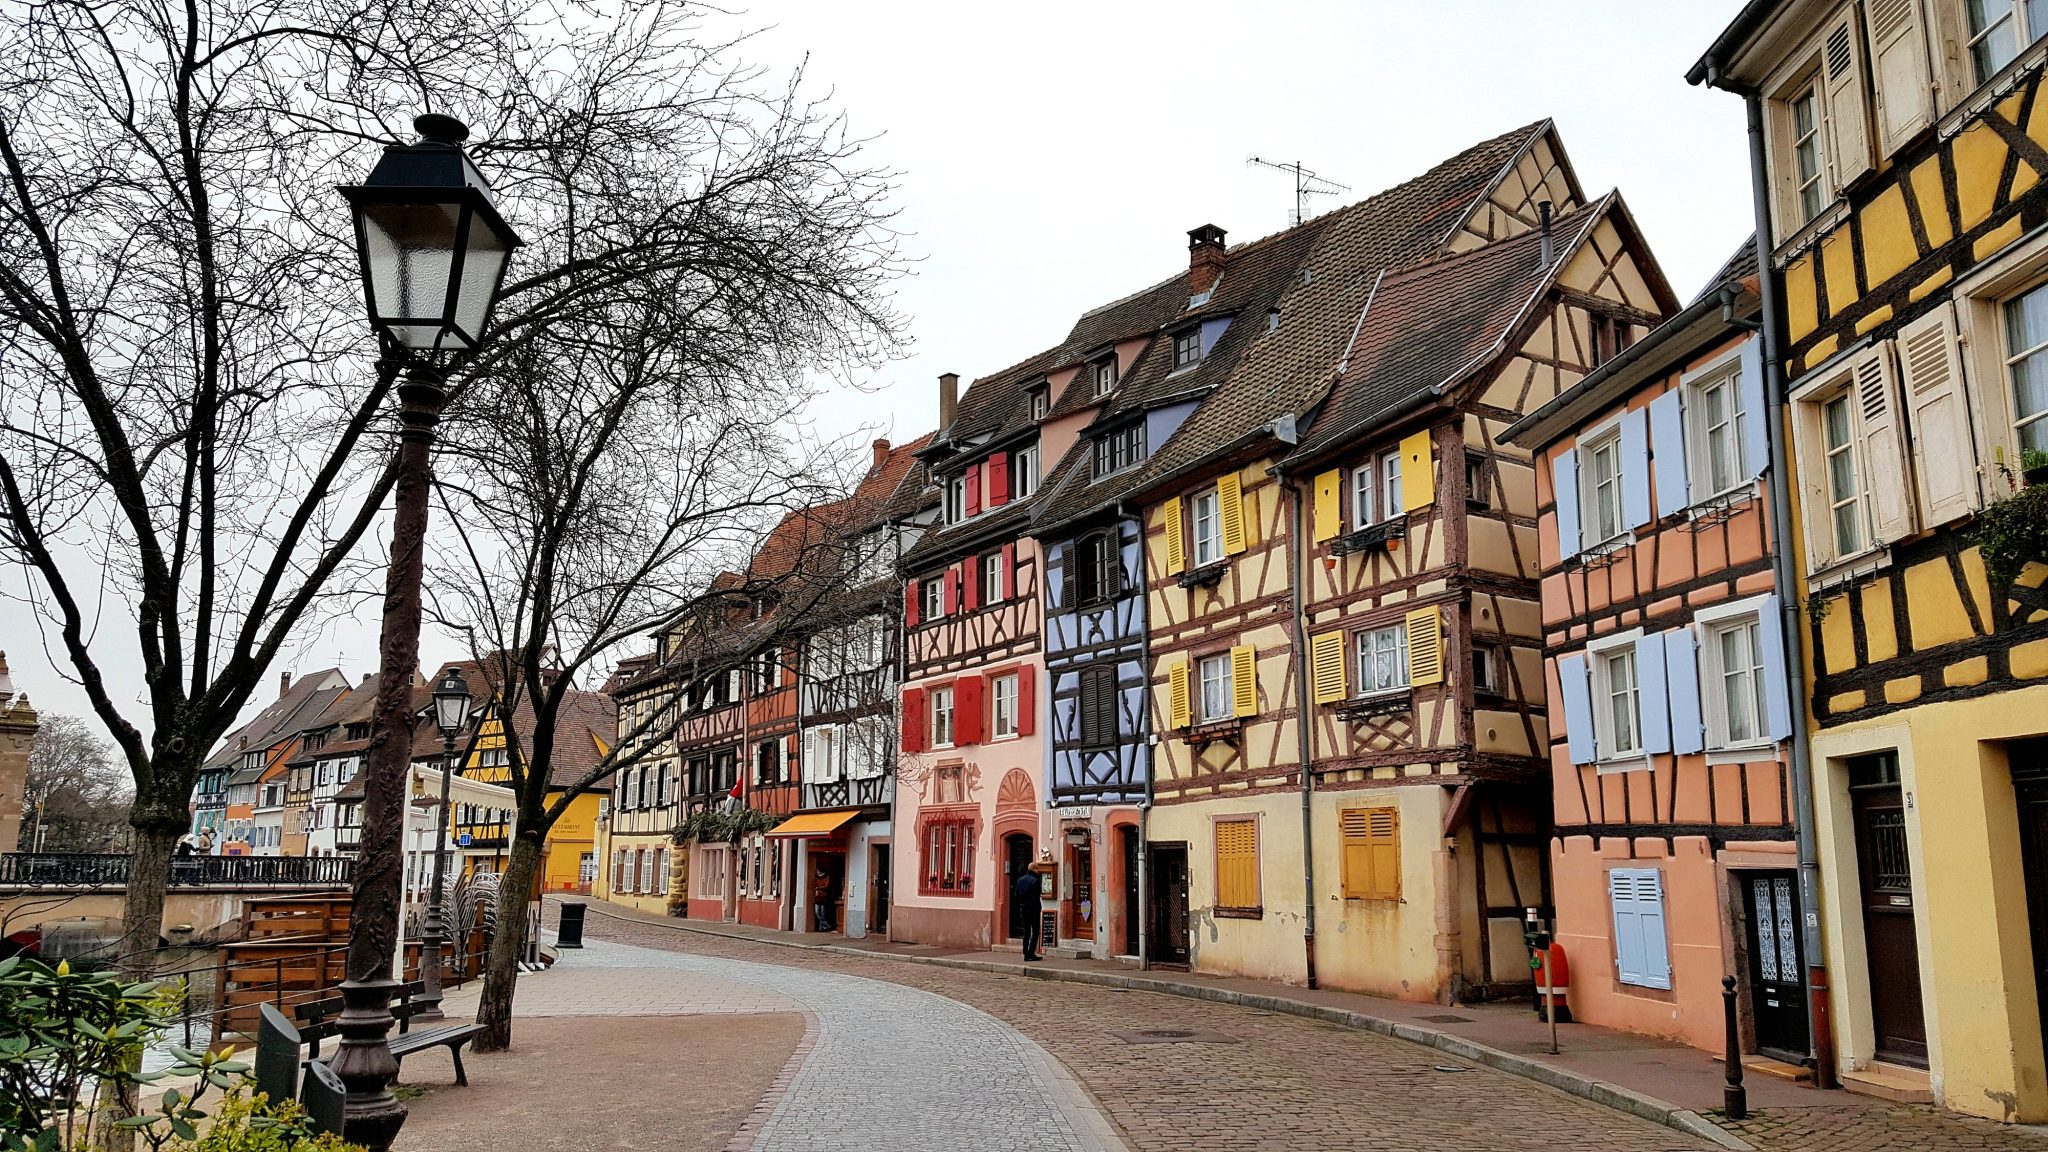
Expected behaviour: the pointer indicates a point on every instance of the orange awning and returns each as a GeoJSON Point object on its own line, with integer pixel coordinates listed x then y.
{"type": "Point", "coordinates": [805, 824]}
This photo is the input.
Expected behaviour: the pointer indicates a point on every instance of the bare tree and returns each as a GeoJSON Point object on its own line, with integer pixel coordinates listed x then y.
{"type": "Point", "coordinates": [77, 797]}
{"type": "Point", "coordinates": [193, 440]}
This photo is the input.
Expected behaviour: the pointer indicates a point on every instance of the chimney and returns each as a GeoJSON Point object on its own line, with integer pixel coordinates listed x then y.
{"type": "Point", "coordinates": [1205, 258]}
{"type": "Point", "coordinates": [1544, 254]}
{"type": "Point", "coordinates": [949, 397]}
{"type": "Point", "coordinates": [881, 452]}
{"type": "Point", "coordinates": [284, 684]}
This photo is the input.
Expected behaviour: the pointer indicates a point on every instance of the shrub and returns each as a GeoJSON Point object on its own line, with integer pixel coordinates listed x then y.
{"type": "Point", "coordinates": [2012, 532]}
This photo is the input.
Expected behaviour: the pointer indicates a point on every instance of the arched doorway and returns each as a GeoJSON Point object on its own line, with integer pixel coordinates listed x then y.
{"type": "Point", "coordinates": [1016, 830]}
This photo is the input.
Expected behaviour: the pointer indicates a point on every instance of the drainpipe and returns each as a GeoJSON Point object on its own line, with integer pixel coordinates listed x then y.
{"type": "Point", "coordinates": [1304, 715]}
{"type": "Point", "coordinates": [1820, 1032]}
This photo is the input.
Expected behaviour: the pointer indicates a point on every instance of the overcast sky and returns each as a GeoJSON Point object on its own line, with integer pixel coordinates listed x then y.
{"type": "Point", "coordinates": [1053, 157]}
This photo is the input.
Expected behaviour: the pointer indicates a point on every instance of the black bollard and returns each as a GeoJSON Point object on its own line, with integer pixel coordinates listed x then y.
{"type": "Point", "coordinates": [1734, 1097]}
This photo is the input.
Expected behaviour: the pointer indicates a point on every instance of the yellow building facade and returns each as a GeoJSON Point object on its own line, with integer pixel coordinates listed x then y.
{"type": "Point", "coordinates": [570, 857]}
{"type": "Point", "coordinates": [1905, 149]}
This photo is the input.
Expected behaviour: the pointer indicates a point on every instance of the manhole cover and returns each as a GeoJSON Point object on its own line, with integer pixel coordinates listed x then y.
{"type": "Point", "coordinates": [1446, 1019]}
{"type": "Point", "coordinates": [1173, 1036]}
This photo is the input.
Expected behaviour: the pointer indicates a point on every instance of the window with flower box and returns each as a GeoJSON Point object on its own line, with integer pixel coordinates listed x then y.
{"type": "Point", "coordinates": [946, 845]}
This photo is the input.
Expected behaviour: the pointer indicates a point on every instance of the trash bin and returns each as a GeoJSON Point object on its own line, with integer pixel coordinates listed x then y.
{"type": "Point", "coordinates": [569, 932]}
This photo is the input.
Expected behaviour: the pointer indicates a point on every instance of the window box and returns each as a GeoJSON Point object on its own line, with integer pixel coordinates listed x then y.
{"type": "Point", "coordinates": [1362, 708]}
{"type": "Point", "coordinates": [1207, 576]}
{"type": "Point", "coordinates": [1215, 731]}
{"type": "Point", "coordinates": [1380, 535]}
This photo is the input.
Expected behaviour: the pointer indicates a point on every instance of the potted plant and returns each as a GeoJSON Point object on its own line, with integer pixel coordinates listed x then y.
{"type": "Point", "coordinates": [2034, 466]}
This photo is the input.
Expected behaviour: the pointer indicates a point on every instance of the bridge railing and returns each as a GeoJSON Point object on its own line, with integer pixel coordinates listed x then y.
{"type": "Point", "coordinates": [110, 869]}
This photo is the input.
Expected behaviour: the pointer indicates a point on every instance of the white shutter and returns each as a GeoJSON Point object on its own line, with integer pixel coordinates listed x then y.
{"type": "Point", "coordinates": [1898, 64]}
{"type": "Point", "coordinates": [1875, 399]}
{"type": "Point", "coordinates": [1944, 459]}
{"type": "Point", "coordinates": [810, 756]}
{"type": "Point", "coordinates": [1841, 68]}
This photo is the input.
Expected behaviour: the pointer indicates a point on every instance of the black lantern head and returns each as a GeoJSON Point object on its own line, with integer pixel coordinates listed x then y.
{"type": "Point", "coordinates": [451, 703]}
{"type": "Point", "coordinates": [433, 247]}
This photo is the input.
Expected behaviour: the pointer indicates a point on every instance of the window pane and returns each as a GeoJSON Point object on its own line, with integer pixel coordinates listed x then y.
{"type": "Point", "coordinates": [1391, 504]}
{"type": "Point", "coordinates": [2026, 330]}
{"type": "Point", "coordinates": [1995, 38]}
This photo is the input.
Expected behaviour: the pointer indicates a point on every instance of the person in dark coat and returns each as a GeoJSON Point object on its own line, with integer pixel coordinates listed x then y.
{"type": "Point", "coordinates": [1024, 894]}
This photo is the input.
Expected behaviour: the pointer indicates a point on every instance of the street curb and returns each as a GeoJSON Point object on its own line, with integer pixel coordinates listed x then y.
{"type": "Point", "coordinates": [1586, 1088]}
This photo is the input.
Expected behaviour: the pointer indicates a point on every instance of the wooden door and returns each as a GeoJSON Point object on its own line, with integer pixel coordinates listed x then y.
{"type": "Point", "coordinates": [1777, 994]}
{"type": "Point", "coordinates": [1169, 937]}
{"type": "Point", "coordinates": [1082, 903]}
{"type": "Point", "coordinates": [1127, 836]}
{"type": "Point", "coordinates": [878, 890]}
{"type": "Point", "coordinates": [1016, 861]}
{"type": "Point", "coordinates": [1886, 885]}
{"type": "Point", "coordinates": [2029, 760]}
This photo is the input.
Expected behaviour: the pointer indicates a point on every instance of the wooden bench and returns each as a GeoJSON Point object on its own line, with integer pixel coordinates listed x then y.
{"type": "Point", "coordinates": [320, 1019]}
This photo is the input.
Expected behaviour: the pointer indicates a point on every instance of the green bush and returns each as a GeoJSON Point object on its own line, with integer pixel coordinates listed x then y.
{"type": "Point", "coordinates": [2012, 532]}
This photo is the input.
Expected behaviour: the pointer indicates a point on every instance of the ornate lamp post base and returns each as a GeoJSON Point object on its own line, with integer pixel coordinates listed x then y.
{"type": "Point", "coordinates": [372, 1115]}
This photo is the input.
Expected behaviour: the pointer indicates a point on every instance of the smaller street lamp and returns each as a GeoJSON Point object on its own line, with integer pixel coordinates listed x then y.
{"type": "Point", "coordinates": [451, 713]}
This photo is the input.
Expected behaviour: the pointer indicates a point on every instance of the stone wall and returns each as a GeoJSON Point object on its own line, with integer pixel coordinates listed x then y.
{"type": "Point", "coordinates": [17, 732]}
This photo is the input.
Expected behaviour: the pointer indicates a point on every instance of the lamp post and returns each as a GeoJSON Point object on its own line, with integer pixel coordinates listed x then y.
{"type": "Point", "coordinates": [451, 712]}
{"type": "Point", "coordinates": [433, 251]}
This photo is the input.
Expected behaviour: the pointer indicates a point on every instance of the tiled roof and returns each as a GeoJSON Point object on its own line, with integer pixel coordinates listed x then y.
{"type": "Point", "coordinates": [1427, 326]}
{"type": "Point", "coordinates": [1740, 266]}
{"type": "Point", "coordinates": [1287, 372]}
{"type": "Point", "coordinates": [293, 711]}
{"type": "Point", "coordinates": [994, 404]}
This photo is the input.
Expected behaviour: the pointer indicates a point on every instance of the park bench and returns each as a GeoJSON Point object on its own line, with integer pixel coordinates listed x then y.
{"type": "Point", "coordinates": [320, 1019]}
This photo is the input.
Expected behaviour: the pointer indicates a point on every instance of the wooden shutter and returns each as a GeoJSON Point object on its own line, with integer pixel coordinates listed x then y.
{"type": "Point", "coordinates": [1653, 711]}
{"type": "Point", "coordinates": [1179, 705]}
{"type": "Point", "coordinates": [1418, 472]}
{"type": "Point", "coordinates": [1027, 699]}
{"type": "Point", "coordinates": [914, 727]}
{"type": "Point", "coordinates": [1667, 453]}
{"type": "Point", "coordinates": [1874, 398]}
{"type": "Point", "coordinates": [973, 489]}
{"type": "Point", "coordinates": [1944, 454]}
{"type": "Point", "coordinates": [1244, 681]}
{"type": "Point", "coordinates": [1329, 505]}
{"type": "Point", "coordinates": [998, 479]}
{"type": "Point", "coordinates": [1898, 64]}
{"type": "Point", "coordinates": [1756, 424]}
{"type": "Point", "coordinates": [1575, 692]}
{"type": "Point", "coordinates": [1682, 685]}
{"type": "Point", "coordinates": [1230, 509]}
{"type": "Point", "coordinates": [1425, 646]}
{"type": "Point", "coordinates": [1564, 487]}
{"type": "Point", "coordinates": [1641, 955]}
{"type": "Point", "coordinates": [1635, 468]}
{"type": "Point", "coordinates": [967, 710]}
{"type": "Point", "coordinates": [950, 595]}
{"type": "Point", "coordinates": [1009, 570]}
{"type": "Point", "coordinates": [910, 604]}
{"type": "Point", "coordinates": [1326, 666]}
{"type": "Point", "coordinates": [1176, 539]}
{"type": "Point", "coordinates": [970, 582]}
{"type": "Point", "coordinates": [1841, 66]}
{"type": "Point", "coordinates": [1372, 853]}
{"type": "Point", "coordinates": [1237, 864]}
{"type": "Point", "coordinates": [1770, 644]}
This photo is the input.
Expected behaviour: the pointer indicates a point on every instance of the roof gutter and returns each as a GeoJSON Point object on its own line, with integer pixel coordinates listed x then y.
{"type": "Point", "coordinates": [1707, 70]}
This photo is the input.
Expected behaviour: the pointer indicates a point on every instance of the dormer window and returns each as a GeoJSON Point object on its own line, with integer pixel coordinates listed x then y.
{"type": "Point", "coordinates": [1118, 450]}
{"type": "Point", "coordinates": [956, 499]}
{"type": "Point", "coordinates": [1041, 401]}
{"type": "Point", "coordinates": [1187, 348]}
{"type": "Point", "coordinates": [1105, 377]}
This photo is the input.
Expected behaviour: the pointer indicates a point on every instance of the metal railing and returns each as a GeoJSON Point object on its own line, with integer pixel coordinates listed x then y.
{"type": "Point", "coordinates": [110, 869]}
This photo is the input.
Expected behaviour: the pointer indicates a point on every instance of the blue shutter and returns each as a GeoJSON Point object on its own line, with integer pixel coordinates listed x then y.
{"type": "Point", "coordinates": [1756, 444]}
{"type": "Point", "coordinates": [1641, 956]}
{"type": "Point", "coordinates": [1650, 915]}
{"type": "Point", "coordinates": [1564, 477]}
{"type": "Point", "coordinates": [1682, 680]}
{"type": "Point", "coordinates": [1628, 930]}
{"type": "Point", "coordinates": [1635, 468]}
{"type": "Point", "coordinates": [1653, 715]}
{"type": "Point", "coordinates": [1770, 642]}
{"type": "Point", "coordinates": [1573, 686]}
{"type": "Point", "coordinates": [1667, 454]}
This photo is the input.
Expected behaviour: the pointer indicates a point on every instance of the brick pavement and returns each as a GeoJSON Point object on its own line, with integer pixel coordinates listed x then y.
{"type": "Point", "coordinates": [1267, 1081]}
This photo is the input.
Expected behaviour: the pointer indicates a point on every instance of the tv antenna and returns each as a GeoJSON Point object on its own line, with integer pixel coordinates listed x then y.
{"type": "Point", "coordinates": [1306, 184]}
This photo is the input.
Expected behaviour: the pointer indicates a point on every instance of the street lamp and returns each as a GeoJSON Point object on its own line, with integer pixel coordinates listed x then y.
{"type": "Point", "coordinates": [434, 252]}
{"type": "Point", "coordinates": [451, 713]}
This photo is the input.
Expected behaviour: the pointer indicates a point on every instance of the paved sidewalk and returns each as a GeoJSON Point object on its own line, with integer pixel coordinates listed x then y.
{"type": "Point", "coordinates": [1671, 1084]}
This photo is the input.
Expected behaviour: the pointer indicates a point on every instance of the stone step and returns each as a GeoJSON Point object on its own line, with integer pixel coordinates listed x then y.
{"type": "Point", "coordinates": [1779, 1069]}
{"type": "Point", "coordinates": [1892, 1082]}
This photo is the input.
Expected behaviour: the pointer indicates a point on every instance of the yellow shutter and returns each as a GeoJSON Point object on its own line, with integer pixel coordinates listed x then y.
{"type": "Point", "coordinates": [1237, 864]}
{"type": "Point", "coordinates": [1244, 681]}
{"type": "Point", "coordinates": [1329, 507]}
{"type": "Point", "coordinates": [1425, 647]}
{"type": "Point", "coordinates": [1177, 700]}
{"type": "Point", "coordinates": [1326, 666]}
{"type": "Point", "coordinates": [1418, 472]}
{"type": "Point", "coordinates": [1176, 539]}
{"type": "Point", "coordinates": [1230, 506]}
{"type": "Point", "coordinates": [1372, 853]}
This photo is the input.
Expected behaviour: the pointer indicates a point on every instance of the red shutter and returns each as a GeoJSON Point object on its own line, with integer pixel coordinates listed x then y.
{"type": "Point", "coordinates": [973, 489]}
{"type": "Point", "coordinates": [913, 720]}
{"type": "Point", "coordinates": [1009, 571]}
{"type": "Point", "coordinates": [910, 592]}
{"type": "Point", "coordinates": [1027, 699]}
{"type": "Point", "coordinates": [972, 594]}
{"type": "Point", "coordinates": [952, 592]}
{"type": "Point", "coordinates": [967, 710]}
{"type": "Point", "coordinates": [998, 479]}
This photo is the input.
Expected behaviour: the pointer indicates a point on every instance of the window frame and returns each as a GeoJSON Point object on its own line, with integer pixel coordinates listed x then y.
{"type": "Point", "coordinates": [1365, 487]}
{"type": "Point", "coordinates": [1601, 655]}
{"type": "Point", "coordinates": [1203, 665]}
{"type": "Point", "coordinates": [1098, 568]}
{"type": "Point", "coordinates": [1041, 400]}
{"type": "Point", "coordinates": [1238, 909]}
{"type": "Point", "coordinates": [2024, 37]}
{"type": "Point", "coordinates": [992, 578]}
{"type": "Point", "coordinates": [932, 598]}
{"type": "Point", "coordinates": [1023, 472]}
{"type": "Point", "coordinates": [1365, 646]}
{"type": "Point", "coordinates": [1002, 706]}
{"type": "Point", "coordinates": [1851, 450]}
{"type": "Point", "coordinates": [1724, 372]}
{"type": "Point", "coordinates": [1187, 348]}
{"type": "Point", "coordinates": [1711, 622]}
{"type": "Point", "coordinates": [2014, 421]}
{"type": "Point", "coordinates": [1605, 437]}
{"type": "Point", "coordinates": [938, 705]}
{"type": "Point", "coordinates": [1104, 374]}
{"type": "Point", "coordinates": [947, 843]}
{"type": "Point", "coordinates": [1205, 546]}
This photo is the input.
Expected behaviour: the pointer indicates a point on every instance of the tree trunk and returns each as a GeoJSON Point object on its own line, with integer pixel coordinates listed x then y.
{"type": "Point", "coordinates": [508, 944]}
{"type": "Point", "coordinates": [149, 875]}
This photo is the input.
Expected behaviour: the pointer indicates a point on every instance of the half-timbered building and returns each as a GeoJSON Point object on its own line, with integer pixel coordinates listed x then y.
{"type": "Point", "coordinates": [636, 862]}
{"type": "Point", "coordinates": [1673, 858]}
{"type": "Point", "coordinates": [1898, 157]}
{"type": "Point", "coordinates": [710, 741]}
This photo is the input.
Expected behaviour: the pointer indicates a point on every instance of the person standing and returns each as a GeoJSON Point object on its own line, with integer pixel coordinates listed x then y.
{"type": "Point", "coordinates": [1024, 894]}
